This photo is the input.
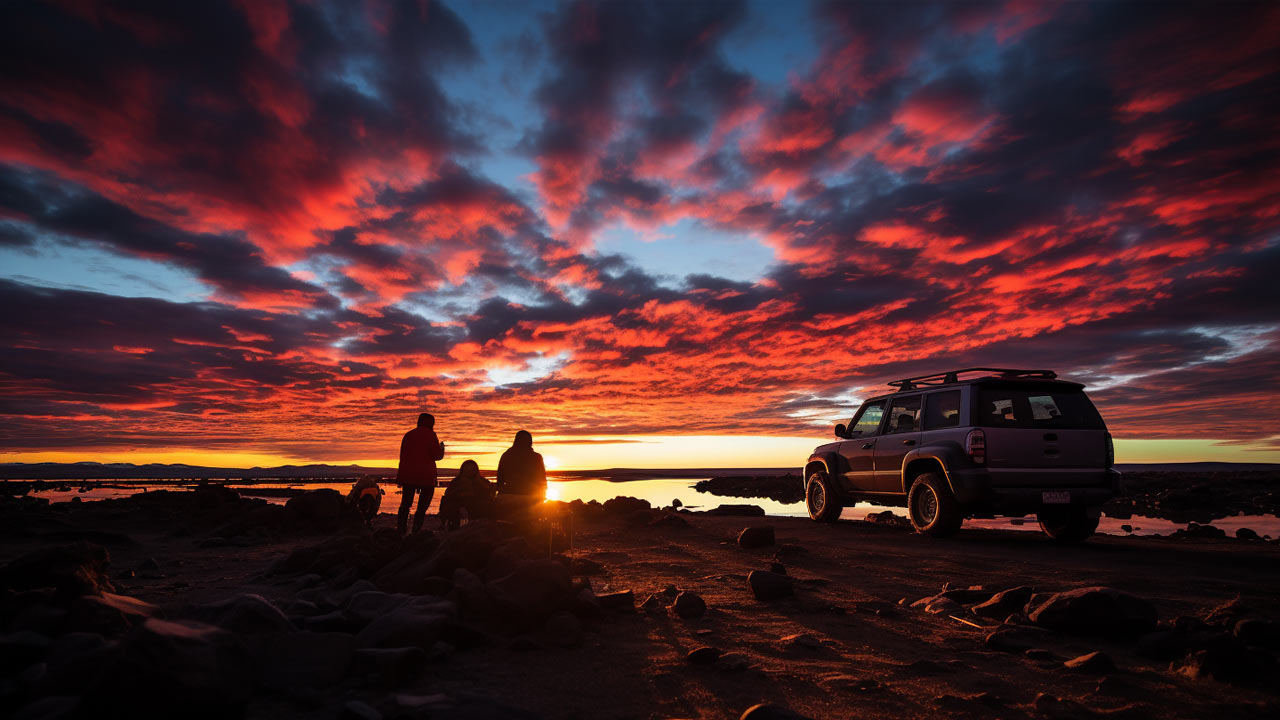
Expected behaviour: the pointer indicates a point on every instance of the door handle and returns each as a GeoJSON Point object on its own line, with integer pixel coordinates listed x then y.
{"type": "Point", "coordinates": [908, 442]}
{"type": "Point", "coordinates": [868, 446]}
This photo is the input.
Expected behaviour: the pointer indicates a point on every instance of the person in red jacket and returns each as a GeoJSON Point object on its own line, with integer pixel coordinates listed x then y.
{"type": "Point", "coordinates": [416, 474]}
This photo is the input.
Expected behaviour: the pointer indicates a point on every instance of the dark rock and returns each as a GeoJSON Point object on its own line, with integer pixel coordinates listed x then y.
{"type": "Point", "coordinates": [620, 506]}
{"type": "Point", "coordinates": [778, 567]}
{"type": "Point", "coordinates": [1003, 603]}
{"type": "Point", "coordinates": [667, 520]}
{"type": "Point", "coordinates": [703, 655]}
{"type": "Point", "coordinates": [801, 641]}
{"type": "Point", "coordinates": [1126, 528]}
{"type": "Point", "coordinates": [585, 566]}
{"type": "Point", "coordinates": [967, 596]}
{"type": "Point", "coordinates": [301, 659]}
{"type": "Point", "coordinates": [1096, 611]}
{"type": "Point", "coordinates": [1164, 645]}
{"type": "Point", "coordinates": [244, 614]}
{"type": "Point", "coordinates": [770, 712]}
{"type": "Point", "coordinates": [468, 547]}
{"type": "Point", "coordinates": [72, 570]}
{"type": "Point", "coordinates": [689, 605]}
{"type": "Point", "coordinates": [1226, 659]}
{"type": "Point", "coordinates": [1198, 531]}
{"type": "Point", "coordinates": [534, 590]}
{"type": "Point", "coordinates": [733, 662]}
{"type": "Point", "coordinates": [623, 599]}
{"type": "Point", "coordinates": [437, 586]}
{"type": "Point", "coordinates": [756, 536]}
{"type": "Point", "coordinates": [163, 665]}
{"type": "Point", "coordinates": [20, 649]}
{"type": "Point", "coordinates": [736, 511]}
{"type": "Point", "coordinates": [1228, 613]}
{"type": "Point", "coordinates": [888, 518]}
{"type": "Point", "coordinates": [322, 509]}
{"type": "Point", "coordinates": [1014, 640]}
{"type": "Point", "coordinates": [149, 565]}
{"type": "Point", "coordinates": [108, 613]}
{"type": "Point", "coordinates": [471, 594]}
{"type": "Point", "coordinates": [393, 666]}
{"type": "Point", "coordinates": [1096, 663]}
{"type": "Point", "coordinates": [563, 630]}
{"type": "Point", "coordinates": [411, 625]}
{"type": "Point", "coordinates": [506, 557]}
{"type": "Point", "coordinates": [768, 586]}
{"type": "Point", "coordinates": [847, 683]}
{"type": "Point", "coordinates": [1039, 654]}
{"type": "Point", "coordinates": [1263, 633]}
{"type": "Point", "coordinates": [53, 707]}
{"type": "Point", "coordinates": [1055, 707]}
{"type": "Point", "coordinates": [356, 710]}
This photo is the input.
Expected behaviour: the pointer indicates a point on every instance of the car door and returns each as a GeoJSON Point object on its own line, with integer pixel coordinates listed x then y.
{"type": "Point", "coordinates": [859, 447]}
{"type": "Point", "coordinates": [900, 436]}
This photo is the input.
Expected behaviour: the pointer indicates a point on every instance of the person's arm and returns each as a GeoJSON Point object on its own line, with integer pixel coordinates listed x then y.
{"type": "Point", "coordinates": [502, 472]}
{"type": "Point", "coordinates": [542, 470]}
{"type": "Point", "coordinates": [439, 451]}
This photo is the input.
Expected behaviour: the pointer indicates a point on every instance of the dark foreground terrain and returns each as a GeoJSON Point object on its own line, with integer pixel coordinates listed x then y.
{"type": "Point", "coordinates": [205, 604]}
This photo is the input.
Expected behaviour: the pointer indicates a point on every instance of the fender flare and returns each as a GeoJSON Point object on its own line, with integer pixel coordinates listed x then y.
{"type": "Point", "coordinates": [943, 456]}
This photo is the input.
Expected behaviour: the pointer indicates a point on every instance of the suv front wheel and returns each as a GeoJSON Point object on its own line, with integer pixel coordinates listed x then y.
{"type": "Point", "coordinates": [820, 498]}
{"type": "Point", "coordinates": [931, 506]}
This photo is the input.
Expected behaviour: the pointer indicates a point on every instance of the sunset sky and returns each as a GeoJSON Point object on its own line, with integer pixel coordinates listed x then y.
{"type": "Point", "coordinates": [654, 235]}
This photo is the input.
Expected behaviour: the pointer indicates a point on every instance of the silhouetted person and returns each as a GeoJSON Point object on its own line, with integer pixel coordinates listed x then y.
{"type": "Point", "coordinates": [416, 475]}
{"type": "Point", "coordinates": [522, 478]}
{"type": "Point", "coordinates": [470, 491]}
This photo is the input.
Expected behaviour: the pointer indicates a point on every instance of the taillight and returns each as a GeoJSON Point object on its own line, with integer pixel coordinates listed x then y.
{"type": "Point", "coordinates": [976, 446]}
{"type": "Point", "coordinates": [1111, 451]}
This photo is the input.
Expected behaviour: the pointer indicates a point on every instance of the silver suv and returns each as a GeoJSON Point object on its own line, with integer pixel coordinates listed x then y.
{"type": "Point", "coordinates": [977, 442]}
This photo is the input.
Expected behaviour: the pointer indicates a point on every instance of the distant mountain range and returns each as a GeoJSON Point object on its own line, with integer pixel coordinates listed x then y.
{"type": "Point", "coordinates": [156, 471]}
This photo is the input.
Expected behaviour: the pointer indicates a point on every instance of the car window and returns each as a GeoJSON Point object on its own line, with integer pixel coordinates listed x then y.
{"type": "Point", "coordinates": [942, 410]}
{"type": "Point", "coordinates": [1033, 408]}
{"type": "Point", "coordinates": [904, 415]}
{"type": "Point", "coordinates": [868, 420]}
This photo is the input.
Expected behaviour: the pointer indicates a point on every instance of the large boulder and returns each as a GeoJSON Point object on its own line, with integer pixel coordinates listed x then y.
{"type": "Point", "coordinates": [71, 570]}
{"type": "Point", "coordinates": [621, 506]}
{"type": "Point", "coordinates": [768, 586]}
{"type": "Point", "coordinates": [756, 536]}
{"type": "Point", "coordinates": [244, 614]}
{"type": "Point", "coordinates": [469, 547]}
{"type": "Point", "coordinates": [1004, 603]}
{"type": "Point", "coordinates": [301, 659]}
{"type": "Point", "coordinates": [689, 605]}
{"type": "Point", "coordinates": [323, 510]}
{"type": "Point", "coordinates": [412, 625]}
{"type": "Point", "coordinates": [531, 592]}
{"type": "Point", "coordinates": [736, 510]}
{"type": "Point", "coordinates": [1096, 611]}
{"type": "Point", "coordinates": [169, 669]}
{"type": "Point", "coordinates": [108, 613]}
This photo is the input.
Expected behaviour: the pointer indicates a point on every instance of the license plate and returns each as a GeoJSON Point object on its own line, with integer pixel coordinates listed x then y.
{"type": "Point", "coordinates": [1055, 497]}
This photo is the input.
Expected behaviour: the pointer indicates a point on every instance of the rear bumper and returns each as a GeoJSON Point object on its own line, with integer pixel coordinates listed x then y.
{"type": "Point", "coordinates": [1008, 491]}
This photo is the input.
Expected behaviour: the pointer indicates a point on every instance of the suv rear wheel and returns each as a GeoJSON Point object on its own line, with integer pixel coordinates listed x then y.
{"type": "Point", "coordinates": [820, 497]}
{"type": "Point", "coordinates": [931, 506]}
{"type": "Point", "coordinates": [1068, 523]}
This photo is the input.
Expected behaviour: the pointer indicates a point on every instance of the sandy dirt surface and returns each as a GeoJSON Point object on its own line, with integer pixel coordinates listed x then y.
{"type": "Point", "coordinates": [847, 644]}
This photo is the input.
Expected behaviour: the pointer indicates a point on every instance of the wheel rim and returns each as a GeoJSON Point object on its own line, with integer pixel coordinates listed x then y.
{"type": "Point", "coordinates": [926, 506]}
{"type": "Point", "coordinates": [817, 496]}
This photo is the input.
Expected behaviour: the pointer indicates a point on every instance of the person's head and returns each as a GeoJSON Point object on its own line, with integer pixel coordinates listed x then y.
{"type": "Point", "coordinates": [523, 440]}
{"type": "Point", "coordinates": [426, 420]}
{"type": "Point", "coordinates": [470, 468]}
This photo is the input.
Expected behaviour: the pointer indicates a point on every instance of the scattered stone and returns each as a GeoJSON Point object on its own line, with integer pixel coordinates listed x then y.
{"type": "Point", "coordinates": [72, 570]}
{"type": "Point", "coordinates": [801, 641]}
{"type": "Point", "coordinates": [563, 630]}
{"type": "Point", "coordinates": [163, 665]}
{"type": "Point", "coordinates": [1198, 531]}
{"type": "Point", "coordinates": [756, 536]}
{"type": "Point", "coordinates": [967, 596]}
{"type": "Point", "coordinates": [534, 590]}
{"type": "Point", "coordinates": [1247, 534]}
{"type": "Point", "coordinates": [301, 659]}
{"type": "Point", "coordinates": [1054, 707]}
{"type": "Point", "coordinates": [409, 626]}
{"type": "Point", "coordinates": [944, 606]}
{"type": "Point", "coordinates": [1096, 611]}
{"type": "Point", "coordinates": [620, 506]}
{"type": "Point", "coordinates": [1039, 654]}
{"type": "Point", "coordinates": [1262, 633]}
{"type": "Point", "coordinates": [1011, 640]}
{"type": "Point", "coordinates": [733, 662]}
{"type": "Point", "coordinates": [245, 614]}
{"type": "Point", "coordinates": [888, 518]}
{"type": "Point", "coordinates": [1227, 660]}
{"type": "Point", "coordinates": [394, 666]}
{"type": "Point", "coordinates": [847, 683]}
{"type": "Point", "coordinates": [667, 520]}
{"type": "Point", "coordinates": [770, 712]}
{"type": "Point", "coordinates": [703, 656]}
{"type": "Point", "coordinates": [1111, 685]}
{"type": "Point", "coordinates": [108, 613]}
{"type": "Point", "coordinates": [689, 605]}
{"type": "Point", "coordinates": [1096, 663]}
{"type": "Point", "coordinates": [356, 710]}
{"type": "Point", "coordinates": [768, 586]}
{"type": "Point", "coordinates": [1126, 528]}
{"type": "Point", "coordinates": [736, 511]}
{"type": "Point", "coordinates": [621, 600]}
{"type": "Point", "coordinates": [778, 567]}
{"type": "Point", "coordinates": [1004, 602]}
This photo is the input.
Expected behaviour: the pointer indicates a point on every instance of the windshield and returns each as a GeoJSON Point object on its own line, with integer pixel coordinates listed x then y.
{"type": "Point", "coordinates": [1037, 408]}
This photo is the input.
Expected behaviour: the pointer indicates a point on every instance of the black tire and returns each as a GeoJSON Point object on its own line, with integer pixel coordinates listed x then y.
{"type": "Point", "coordinates": [1070, 524]}
{"type": "Point", "coordinates": [932, 508]}
{"type": "Point", "coordinates": [821, 498]}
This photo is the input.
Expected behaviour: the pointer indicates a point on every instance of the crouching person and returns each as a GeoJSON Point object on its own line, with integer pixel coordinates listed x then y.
{"type": "Point", "coordinates": [468, 491]}
{"type": "Point", "coordinates": [366, 497]}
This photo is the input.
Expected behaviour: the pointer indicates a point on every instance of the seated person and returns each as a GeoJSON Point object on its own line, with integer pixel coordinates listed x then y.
{"type": "Point", "coordinates": [469, 491]}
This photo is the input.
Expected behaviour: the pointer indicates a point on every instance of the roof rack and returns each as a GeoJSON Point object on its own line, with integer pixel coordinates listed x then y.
{"type": "Point", "coordinates": [952, 376]}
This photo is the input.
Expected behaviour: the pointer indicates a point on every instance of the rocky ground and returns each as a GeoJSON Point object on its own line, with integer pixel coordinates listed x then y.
{"type": "Point", "coordinates": [205, 604]}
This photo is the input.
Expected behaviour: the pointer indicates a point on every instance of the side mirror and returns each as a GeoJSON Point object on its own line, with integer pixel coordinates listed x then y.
{"type": "Point", "coordinates": [840, 430]}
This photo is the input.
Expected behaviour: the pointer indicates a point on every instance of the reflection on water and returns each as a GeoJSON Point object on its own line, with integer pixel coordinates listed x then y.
{"type": "Point", "coordinates": [660, 492]}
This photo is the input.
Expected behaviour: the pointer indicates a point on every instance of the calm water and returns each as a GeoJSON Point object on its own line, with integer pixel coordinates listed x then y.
{"type": "Point", "coordinates": [661, 491]}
